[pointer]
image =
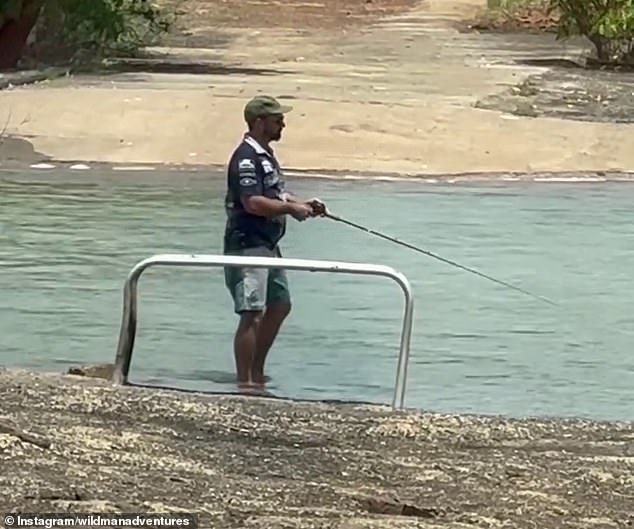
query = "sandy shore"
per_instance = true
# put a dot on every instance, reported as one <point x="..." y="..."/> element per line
<point x="74" y="444"/>
<point x="395" y="97"/>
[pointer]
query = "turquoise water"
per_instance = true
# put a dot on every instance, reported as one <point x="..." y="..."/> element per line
<point x="70" y="239"/>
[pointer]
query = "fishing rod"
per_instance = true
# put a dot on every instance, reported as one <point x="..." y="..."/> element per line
<point x="336" y="218"/>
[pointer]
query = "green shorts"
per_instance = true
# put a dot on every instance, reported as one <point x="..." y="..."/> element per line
<point x="252" y="289"/>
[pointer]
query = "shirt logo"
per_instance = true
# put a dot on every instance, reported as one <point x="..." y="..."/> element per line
<point x="246" y="172"/>
<point x="267" y="166"/>
<point x="247" y="181"/>
<point x="246" y="164"/>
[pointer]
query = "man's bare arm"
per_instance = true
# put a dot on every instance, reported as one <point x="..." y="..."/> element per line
<point x="316" y="205"/>
<point x="265" y="207"/>
<point x="289" y="197"/>
<point x="268" y="207"/>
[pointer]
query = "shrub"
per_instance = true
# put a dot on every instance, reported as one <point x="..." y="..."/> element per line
<point x="91" y="28"/>
<point x="608" y="24"/>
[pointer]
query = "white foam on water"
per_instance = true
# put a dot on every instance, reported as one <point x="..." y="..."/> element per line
<point x="79" y="167"/>
<point x="570" y="179"/>
<point x="42" y="166"/>
<point x="467" y="178"/>
<point x="134" y="168"/>
<point x="361" y="177"/>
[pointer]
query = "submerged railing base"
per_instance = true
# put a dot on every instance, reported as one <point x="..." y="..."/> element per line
<point x="129" y="319"/>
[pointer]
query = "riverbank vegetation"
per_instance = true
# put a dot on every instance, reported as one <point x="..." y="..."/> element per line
<point x="608" y="24"/>
<point x="76" y="30"/>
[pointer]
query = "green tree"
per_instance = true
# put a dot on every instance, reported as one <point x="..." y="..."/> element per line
<point x="101" y="27"/>
<point x="608" y="24"/>
<point x="80" y="28"/>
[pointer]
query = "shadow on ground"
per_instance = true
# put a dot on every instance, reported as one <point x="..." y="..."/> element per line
<point x="18" y="150"/>
<point x="181" y="66"/>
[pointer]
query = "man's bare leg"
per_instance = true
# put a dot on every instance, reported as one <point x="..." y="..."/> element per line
<point x="245" y="346"/>
<point x="267" y="330"/>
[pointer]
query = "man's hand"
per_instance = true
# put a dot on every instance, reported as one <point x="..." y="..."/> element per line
<point x="318" y="208"/>
<point x="300" y="211"/>
<point x="271" y="208"/>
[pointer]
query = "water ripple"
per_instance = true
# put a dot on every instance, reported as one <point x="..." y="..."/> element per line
<point x="68" y="245"/>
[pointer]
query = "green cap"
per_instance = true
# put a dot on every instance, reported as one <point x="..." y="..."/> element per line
<point x="261" y="106"/>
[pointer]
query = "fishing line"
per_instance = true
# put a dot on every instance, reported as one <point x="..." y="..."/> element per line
<point x="438" y="257"/>
<point x="588" y="321"/>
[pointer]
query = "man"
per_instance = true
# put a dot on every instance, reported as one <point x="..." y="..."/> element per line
<point x="257" y="205"/>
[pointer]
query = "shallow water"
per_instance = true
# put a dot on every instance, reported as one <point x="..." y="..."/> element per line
<point x="69" y="240"/>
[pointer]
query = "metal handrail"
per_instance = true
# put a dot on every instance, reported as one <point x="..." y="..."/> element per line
<point x="129" y="320"/>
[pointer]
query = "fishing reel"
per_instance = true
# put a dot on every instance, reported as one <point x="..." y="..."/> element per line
<point x="318" y="207"/>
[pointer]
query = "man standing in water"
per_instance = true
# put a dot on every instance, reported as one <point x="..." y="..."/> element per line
<point x="257" y="204"/>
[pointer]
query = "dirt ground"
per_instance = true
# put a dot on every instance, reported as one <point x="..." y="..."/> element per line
<point x="537" y="18"/>
<point x="310" y="14"/>
<point x="390" y="88"/>
<point x="76" y="445"/>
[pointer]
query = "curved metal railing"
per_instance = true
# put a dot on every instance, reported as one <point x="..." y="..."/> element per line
<point x="130" y="296"/>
